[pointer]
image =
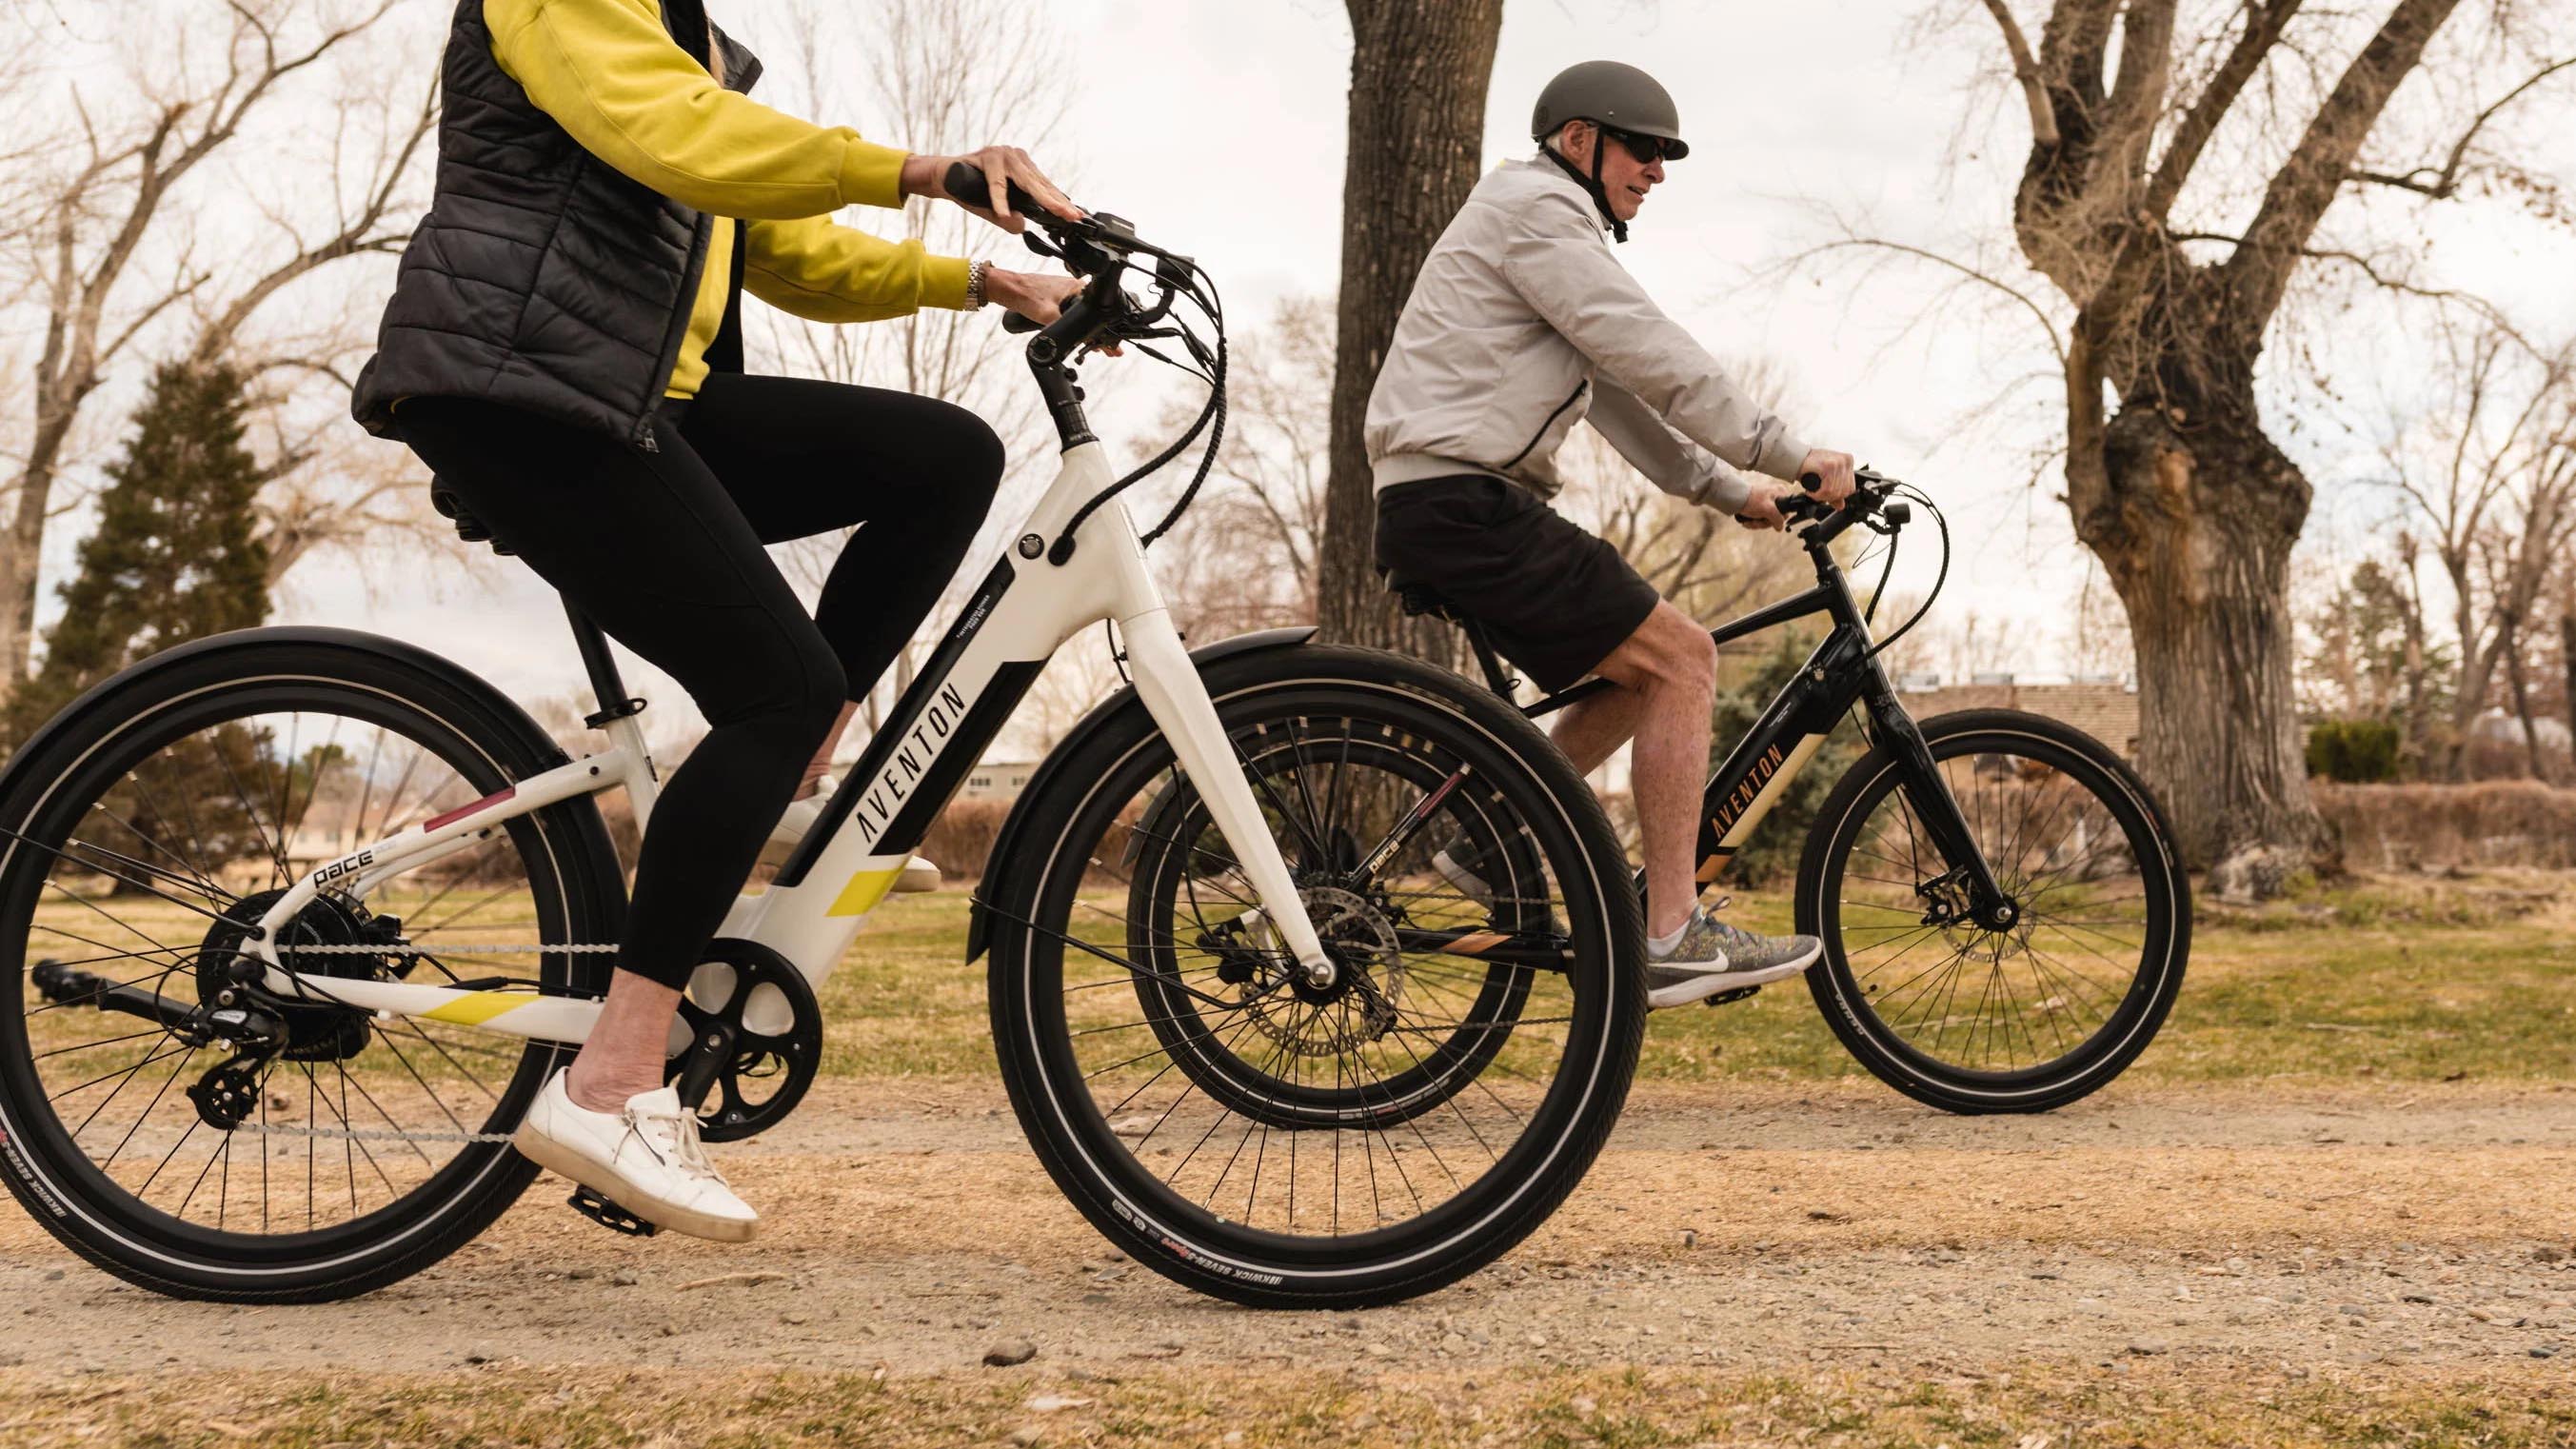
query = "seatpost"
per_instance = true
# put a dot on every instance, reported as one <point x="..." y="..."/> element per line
<point x="614" y="702"/>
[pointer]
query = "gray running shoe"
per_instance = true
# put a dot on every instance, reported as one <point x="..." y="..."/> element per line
<point x="1713" y="956"/>
<point x="1459" y="874"/>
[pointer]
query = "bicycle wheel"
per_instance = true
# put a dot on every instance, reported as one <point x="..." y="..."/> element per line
<point x="2024" y="1019"/>
<point x="156" y="819"/>
<point x="1190" y="913"/>
<point x="1279" y="1144"/>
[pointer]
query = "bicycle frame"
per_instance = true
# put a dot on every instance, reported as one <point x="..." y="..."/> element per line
<point x="1839" y="673"/>
<point x="1028" y="606"/>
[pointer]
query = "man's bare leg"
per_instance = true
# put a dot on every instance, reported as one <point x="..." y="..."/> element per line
<point x="1590" y="731"/>
<point x="1669" y="669"/>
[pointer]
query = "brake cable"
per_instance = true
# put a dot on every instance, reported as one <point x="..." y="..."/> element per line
<point x="1938" y="521"/>
<point x="1211" y="418"/>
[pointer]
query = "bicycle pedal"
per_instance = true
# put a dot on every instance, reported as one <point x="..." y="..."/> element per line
<point x="1723" y="997"/>
<point x="609" y="1215"/>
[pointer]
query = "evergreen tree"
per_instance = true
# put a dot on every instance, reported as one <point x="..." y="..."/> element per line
<point x="173" y="558"/>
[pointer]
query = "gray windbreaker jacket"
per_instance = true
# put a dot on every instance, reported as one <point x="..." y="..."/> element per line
<point x="1521" y="325"/>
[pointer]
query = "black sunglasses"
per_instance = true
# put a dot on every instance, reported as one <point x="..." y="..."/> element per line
<point x="1647" y="149"/>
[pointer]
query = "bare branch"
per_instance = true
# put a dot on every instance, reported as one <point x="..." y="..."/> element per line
<point x="2043" y="121"/>
<point x="2264" y="23"/>
<point x="2446" y="180"/>
<point x="2306" y="184"/>
<point x="2048" y="326"/>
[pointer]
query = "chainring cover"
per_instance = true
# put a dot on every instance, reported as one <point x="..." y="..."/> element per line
<point x="767" y="1032"/>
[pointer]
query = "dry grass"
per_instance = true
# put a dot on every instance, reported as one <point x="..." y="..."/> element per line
<point x="2027" y="1406"/>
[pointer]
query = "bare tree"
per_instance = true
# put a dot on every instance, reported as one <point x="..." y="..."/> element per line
<point x="1244" y="557"/>
<point x="941" y="75"/>
<point x="100" y="232"/>
<point x="2491" y="474"/>
<point x="2096" y="639"/>
<point x="2138" y="113"/>
<point x="1419" y="69"/>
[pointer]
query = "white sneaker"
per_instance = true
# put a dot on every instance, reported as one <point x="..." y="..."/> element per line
<point x="646" y="1159"/>
<point x="798" y="820"/>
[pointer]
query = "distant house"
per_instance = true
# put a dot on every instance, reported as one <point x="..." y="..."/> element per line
<point x="2105" y="708"/>
<point x="2504" y="729"/>
<point x="997" y="779"/>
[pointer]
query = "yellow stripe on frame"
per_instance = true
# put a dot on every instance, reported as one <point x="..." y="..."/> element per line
<point x="863" y="892"/>
<point x="480" y="1007"/>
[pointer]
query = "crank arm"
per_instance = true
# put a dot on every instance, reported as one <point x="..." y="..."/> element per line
<point x="1528" y="949"/>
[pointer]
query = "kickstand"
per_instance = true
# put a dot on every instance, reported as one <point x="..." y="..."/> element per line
<point x="609" y="1215"/>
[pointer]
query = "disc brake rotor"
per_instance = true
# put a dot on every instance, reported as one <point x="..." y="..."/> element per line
<point x="1361" y="1004"/>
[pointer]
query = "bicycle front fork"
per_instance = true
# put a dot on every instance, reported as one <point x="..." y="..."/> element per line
<point x="1937" y="810"/>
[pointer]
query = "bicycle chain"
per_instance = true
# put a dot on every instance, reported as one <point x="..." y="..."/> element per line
<point x="408" y="948"/>
<point x="372" y="1134"/>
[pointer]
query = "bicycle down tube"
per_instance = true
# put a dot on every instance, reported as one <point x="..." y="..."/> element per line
<point x="1027" y="607"/>
<point x="1840" y="672"/>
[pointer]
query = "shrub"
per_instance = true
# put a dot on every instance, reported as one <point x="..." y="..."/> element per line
<point x="2430" y="827"/>
<point x="2354" y="751"/>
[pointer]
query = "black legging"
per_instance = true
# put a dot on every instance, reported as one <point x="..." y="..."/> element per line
<point x="663" y="551"/>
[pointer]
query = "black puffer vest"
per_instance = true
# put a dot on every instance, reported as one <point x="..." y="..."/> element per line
<point x="542" y="277"/>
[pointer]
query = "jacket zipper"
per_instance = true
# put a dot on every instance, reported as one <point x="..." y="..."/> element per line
<point x="690" y="276"/>
<point x="1551" y="422"/>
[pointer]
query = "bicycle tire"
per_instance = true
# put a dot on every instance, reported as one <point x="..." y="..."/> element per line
<point x="2054" y="752"/>
<point x="576" y="888"/>
<point x="1032" y="902"/>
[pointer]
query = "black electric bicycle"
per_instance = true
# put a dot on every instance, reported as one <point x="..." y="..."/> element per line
<point x="2004" y="918"/>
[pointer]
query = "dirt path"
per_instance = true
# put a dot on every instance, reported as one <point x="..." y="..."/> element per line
<point x="912" y="1230"/>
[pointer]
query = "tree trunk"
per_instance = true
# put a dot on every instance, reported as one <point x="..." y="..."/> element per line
<point x="2517" y="677"/>
<point x="20" y="550"/>
<point x="2419" y="694"/>
<point x="1419" y="69"/>
<point x="2197" y="540"/>
<point x="2567" y="659"/>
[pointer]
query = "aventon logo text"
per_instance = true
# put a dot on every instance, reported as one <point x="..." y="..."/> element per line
<point x="910" y="761"/>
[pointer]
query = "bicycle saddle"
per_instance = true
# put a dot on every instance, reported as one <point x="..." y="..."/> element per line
<point x="1419" y="597"/>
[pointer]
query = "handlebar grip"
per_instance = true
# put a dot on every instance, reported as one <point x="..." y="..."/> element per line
<point x="1811" y="481"/>
<point x="1014" y="322"/>
<point x="966" y="183"/>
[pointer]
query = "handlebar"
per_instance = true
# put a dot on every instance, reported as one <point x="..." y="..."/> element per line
<point x="1870" y="493"/>
<point x="965" y="183"/>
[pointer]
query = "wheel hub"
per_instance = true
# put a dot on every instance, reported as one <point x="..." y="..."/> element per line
<point x="229" y="978"/>
<point x="1357" y="1004"/>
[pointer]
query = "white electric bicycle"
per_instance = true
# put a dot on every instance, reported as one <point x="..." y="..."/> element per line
<point x="286" y="895"/>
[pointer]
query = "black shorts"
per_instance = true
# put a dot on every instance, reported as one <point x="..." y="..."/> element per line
<point x="1553" y="599"/>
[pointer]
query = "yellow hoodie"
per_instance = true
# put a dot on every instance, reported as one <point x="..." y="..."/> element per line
<point x="611" y="76"/>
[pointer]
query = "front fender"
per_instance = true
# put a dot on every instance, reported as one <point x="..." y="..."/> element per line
<point x="1108" y="709"/>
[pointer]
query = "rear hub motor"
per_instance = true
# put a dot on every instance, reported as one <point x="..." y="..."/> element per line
<point x="314" y="1031"/>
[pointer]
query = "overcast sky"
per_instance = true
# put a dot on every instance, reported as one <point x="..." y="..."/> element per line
<point x="1219" y="129"/>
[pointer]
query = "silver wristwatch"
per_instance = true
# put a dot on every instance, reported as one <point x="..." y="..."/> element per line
<point x="975" y="284"/>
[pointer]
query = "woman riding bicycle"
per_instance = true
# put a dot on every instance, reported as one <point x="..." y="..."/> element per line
<point x="563" y="348"/>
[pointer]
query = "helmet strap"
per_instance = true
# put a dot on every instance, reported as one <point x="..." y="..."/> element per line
<point x="1591" y="183"/>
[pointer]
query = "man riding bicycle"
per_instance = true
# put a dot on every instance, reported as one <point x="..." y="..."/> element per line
<point x="1521" y="324"/>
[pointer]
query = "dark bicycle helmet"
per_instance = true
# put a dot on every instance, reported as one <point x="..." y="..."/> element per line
<point x="1614" y="95"/>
